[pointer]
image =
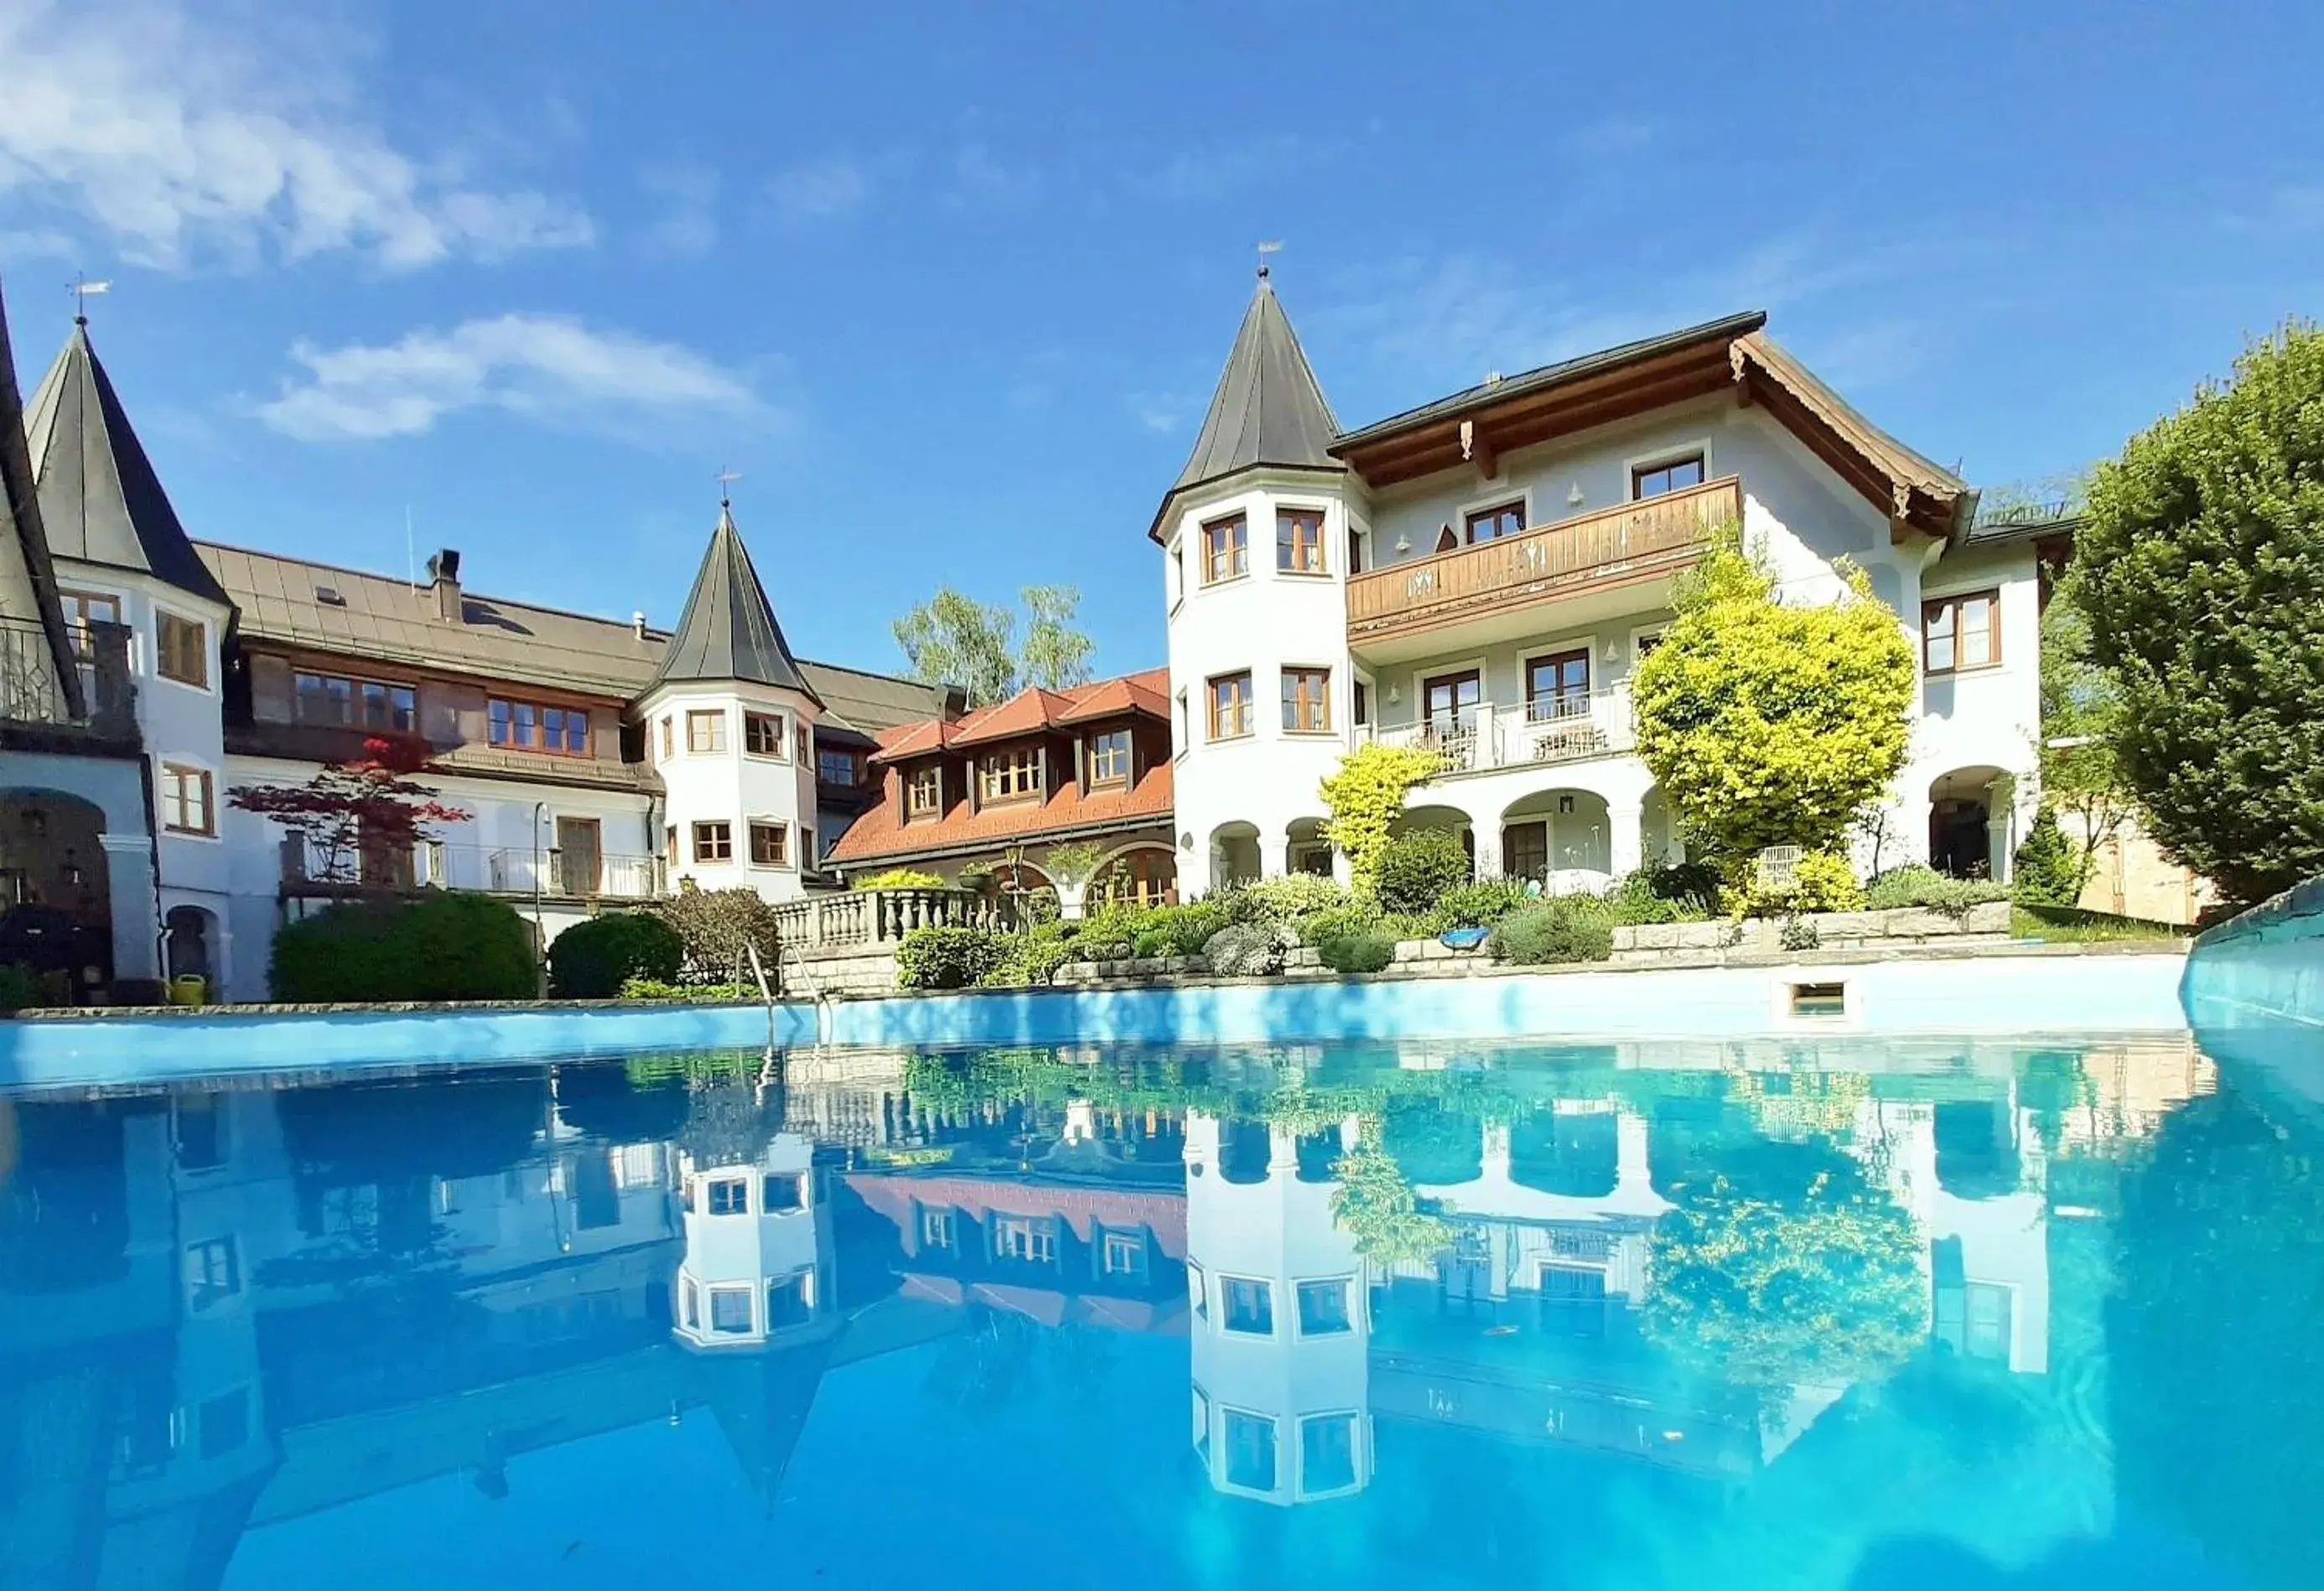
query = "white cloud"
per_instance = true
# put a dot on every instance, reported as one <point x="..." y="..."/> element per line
<point x="821" y="190"/>
<point x="688" y="194"/>
<point x="981" y="180"/>
<point x="550" y="369"/>
<point x="177" y="137"/>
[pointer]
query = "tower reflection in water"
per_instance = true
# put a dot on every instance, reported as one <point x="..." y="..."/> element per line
<point x="225" y="1309"/>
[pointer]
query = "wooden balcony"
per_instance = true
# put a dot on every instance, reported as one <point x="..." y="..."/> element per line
<point x="1616" y="547"/>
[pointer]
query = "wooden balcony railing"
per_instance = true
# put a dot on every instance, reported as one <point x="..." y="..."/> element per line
<point x="1632" y="541"/>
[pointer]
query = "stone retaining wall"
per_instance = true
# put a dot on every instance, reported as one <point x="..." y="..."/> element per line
<point x="1905" y="928"/>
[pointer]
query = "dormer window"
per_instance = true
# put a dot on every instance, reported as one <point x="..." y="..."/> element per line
<point x="1109" y="758"/>
<point x="1009" y="776"/>
<point x="924" y="792"/>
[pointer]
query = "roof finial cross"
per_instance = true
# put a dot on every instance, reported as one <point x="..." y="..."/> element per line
<point x="83" y="289"/>
<point x="1270" y="246"/>
<point x="726" y="478"/>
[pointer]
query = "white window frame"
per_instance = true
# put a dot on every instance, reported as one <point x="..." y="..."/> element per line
<point x="162" y="763"/>
<point x="1360" y="1441"/>
<point x="1347" y="1286"/>
<point x="1274" y="1315"/>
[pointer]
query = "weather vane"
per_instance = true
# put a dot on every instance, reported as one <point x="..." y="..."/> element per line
<point x="1270" y="246"/>
<point x="726" y="478"/>
<point x="83" y="289"/>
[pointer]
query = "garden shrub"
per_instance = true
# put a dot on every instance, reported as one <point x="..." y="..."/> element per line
<point x="1561" y="928"/>
<point x="1416" y="868"/>
<point x="1356" y="916"/>
<point x="948" y="958"/>
<point x="1481" y="904"/>
<point x="899" y="878"/>
<point x="1635" y="900"/>
<point x="2049" y="868"/>
<point x="1365" y="950"/>
<point x="1365" y="796"/>
<point x="1244" y="950"/>
<point x="591" y="960"/>
<point x="20" y="988"/>
<point x="1029" y="959"/>
<point x="1821" y="882"/>
<point x="1916" y="884"/>
<point x="655" y="989"/>
<point x="443" y="945"/>
<point x="1291" y="899"/>
<point x="717" y="926"/>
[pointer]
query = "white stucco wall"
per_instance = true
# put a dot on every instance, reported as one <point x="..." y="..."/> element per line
<point x="1264" y="621"/>
<point x="733" y="787"/>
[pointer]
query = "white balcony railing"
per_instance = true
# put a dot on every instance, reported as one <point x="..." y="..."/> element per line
<point x="1571" y="727"/>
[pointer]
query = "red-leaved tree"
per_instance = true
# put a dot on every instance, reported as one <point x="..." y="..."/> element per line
<point x="369" y="806"/>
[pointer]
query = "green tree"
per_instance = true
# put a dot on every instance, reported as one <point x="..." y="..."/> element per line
<point x="1376" y="1206"/>
<point x="1786" y="1266"/>
<point x="2199" y="571"/>
<point x="1768" y="723"/>
<point x="952" y="639"/>
<point x="2081" y="718"/>
<point x="1364" y="796"/>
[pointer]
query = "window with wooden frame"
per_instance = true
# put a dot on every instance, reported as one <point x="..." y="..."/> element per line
<point x="669" y="844"/>
<point x="186" y="800"/>
<point x="770" y="845"/>
<point x="332" y="699"/>
<point x="1355" y="551"/>
<point x="1226" y="549"/>
<point x="1307" y="700"/>
<point x="714" y="842"/>
<point x="762" y="734"/>
<point x="1230" y="705"/>
<point x="1557" y="686"/>
<point x="1109" y="759"/>
<point x="669" y="738"/>
<point x="1669" y="474"/>
<point x="836" y="765"/>
<point x="1961" y="632"/>
<point x="1299" y="541"/>
<point x="1490" y="524"/>
<point x="1013" y="775"/>
<point x="803" y="742"/>
<point x="705" y="730"/>
<point x="183" y="648"/>
<point x="924" y="792"/>
<point x="532" y="726"/>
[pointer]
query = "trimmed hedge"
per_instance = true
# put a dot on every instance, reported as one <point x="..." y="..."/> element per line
<point x="591" y="960"/>
<point x="442" y="946"/>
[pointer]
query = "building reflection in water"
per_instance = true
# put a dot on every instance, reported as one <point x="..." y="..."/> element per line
<point x="198" y="1291"/>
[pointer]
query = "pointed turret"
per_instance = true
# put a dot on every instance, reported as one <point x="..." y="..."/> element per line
<point x="728" y="631"/>
<point x="100" y="501"/>
<point x="1268" y="411"/>
<point x="28" y="583"/>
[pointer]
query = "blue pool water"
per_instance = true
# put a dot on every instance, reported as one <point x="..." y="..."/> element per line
<point x="1863" y="1315"/>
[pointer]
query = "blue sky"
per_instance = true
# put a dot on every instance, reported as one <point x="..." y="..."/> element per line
<point x="949" y="284"/>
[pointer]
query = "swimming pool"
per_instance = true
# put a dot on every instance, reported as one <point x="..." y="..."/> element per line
<point x="1798" y="1311"/>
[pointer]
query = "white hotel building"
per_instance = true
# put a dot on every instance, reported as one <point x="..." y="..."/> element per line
<point x="1483" y="572"/>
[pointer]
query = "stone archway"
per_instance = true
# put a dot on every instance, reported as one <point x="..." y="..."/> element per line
<point x="1142" y="875"/>
<point x="192" y="944"/>
<point x="1453" y="818"/>
<point x="56" y="898"/>
<point x="1306" y="850"/>
<point x="1562" y="839"/>
<point x="1234" y="854"/>
<point x="1969" y="830"/>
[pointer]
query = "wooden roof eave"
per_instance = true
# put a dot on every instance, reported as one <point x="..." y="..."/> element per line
<point x="1543" y="415"/>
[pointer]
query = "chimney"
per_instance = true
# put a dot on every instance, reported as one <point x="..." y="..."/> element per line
<point x="444" y="580"/>
<point x="638" y="622"/>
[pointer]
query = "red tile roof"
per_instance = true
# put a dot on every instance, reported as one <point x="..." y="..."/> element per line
<point x="1032" y="711"/>
<point x="878" y="833"/>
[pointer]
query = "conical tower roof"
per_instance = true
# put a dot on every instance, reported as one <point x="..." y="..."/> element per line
<point x="100" y="501"/>
<point x="28" y="582"/>
<point x="728" y="631"/>
<point x="1269" y="410"/>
